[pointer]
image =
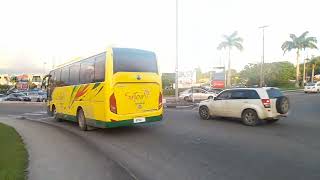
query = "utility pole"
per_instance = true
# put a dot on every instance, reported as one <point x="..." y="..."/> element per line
<point x="44" y="67"/>
<point x="312" y="76"/>
<point x="304" y="69"/>
<point x="177" y="55"/>
<point x="262" y="62"/>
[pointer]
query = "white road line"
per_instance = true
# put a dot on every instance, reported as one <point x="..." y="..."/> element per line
<point x="33" y="114"/>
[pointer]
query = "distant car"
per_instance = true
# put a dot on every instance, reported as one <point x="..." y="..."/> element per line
<point x="17" y="97"/>
<point x="215" y="90"/>
<point x="43" y="96"/>
<point x="250" y="104"/>
<point x="1" y="97"/>
<point x="36" y="96"/>
<point x="196" y="94"/>
<point x="312" y="87"/>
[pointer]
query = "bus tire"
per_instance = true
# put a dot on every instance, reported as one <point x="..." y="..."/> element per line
<point x="55" y="114"/>
<point x="82" y="120"/>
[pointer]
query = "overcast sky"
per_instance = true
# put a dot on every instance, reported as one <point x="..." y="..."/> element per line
<point x="33" y="32"/>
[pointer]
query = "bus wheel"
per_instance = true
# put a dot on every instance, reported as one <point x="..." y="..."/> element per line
<point x="82" y="120"/>
<point x="55" y="114"/>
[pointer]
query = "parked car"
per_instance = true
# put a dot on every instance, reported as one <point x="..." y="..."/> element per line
<point x="17" y="97"/>
<point x="37" y="96"/>
<point x="312" y="87"/>
<point x="43" y="96"/>
<point x="252" y="105"/>
<point x="1" y="97"/>
<point x="196" y="94"/>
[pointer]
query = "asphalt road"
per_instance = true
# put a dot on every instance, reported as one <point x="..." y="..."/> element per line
<point x="185" y="147"/>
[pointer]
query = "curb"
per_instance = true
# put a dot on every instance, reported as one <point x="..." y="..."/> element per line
<point x="20" y="102"/>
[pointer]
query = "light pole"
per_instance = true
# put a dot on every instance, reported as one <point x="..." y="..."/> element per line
<point x="262" y="62"/>
<point x="177" y="56"/>
<point x="44" y="67"/>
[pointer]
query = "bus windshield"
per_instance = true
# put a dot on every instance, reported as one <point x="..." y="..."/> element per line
<point x="134" y="60"/>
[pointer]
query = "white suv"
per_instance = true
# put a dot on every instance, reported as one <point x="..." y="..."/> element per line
<point x="250" y="104"/>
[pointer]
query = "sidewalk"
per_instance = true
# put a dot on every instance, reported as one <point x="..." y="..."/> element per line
<point x="170" y="102"/>
<point x="58" y="154"/>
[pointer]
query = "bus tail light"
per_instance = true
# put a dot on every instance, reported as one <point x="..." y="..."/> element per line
<point x="160" y="101"/>
<point x="113" y="104"/>
<point x="266" y="103"/>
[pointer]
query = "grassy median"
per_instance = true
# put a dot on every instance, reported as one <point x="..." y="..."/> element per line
<point x="13" y="155"/>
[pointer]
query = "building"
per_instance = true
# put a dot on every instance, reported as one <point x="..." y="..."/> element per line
<point x="4" y="79"/>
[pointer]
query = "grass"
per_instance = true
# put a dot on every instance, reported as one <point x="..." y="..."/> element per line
<point x="13" y="155"/>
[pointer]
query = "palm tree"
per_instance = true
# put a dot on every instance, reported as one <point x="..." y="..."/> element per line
<point x="228" y="43"/>
<point x="299" y="43"/>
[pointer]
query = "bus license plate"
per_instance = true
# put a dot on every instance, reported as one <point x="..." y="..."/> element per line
<point x="139" y="120"/>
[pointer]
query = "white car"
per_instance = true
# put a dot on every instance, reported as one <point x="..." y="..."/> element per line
<point x="312" y="87"/>
<point x="196" y="94"/>
<point x="252" y="105"/>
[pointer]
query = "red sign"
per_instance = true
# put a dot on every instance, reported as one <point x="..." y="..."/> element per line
<point x="217" y="84"/>
<point x="22" y="86"/>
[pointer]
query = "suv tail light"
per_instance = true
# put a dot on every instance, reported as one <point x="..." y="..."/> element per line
<point x="113" y="104"/>
<point x="160" y="101"/>
<point x="266" y="103"/>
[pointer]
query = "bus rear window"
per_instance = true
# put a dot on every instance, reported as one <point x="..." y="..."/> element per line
<point x="134" y="60"/>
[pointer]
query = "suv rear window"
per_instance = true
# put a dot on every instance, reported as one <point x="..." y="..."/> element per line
<point x="274" y="93"/>
<point x="245" y="94"/>
<point x="134" y="60"/>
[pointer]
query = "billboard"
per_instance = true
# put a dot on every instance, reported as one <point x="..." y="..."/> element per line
<point x="186" y="79"/>
<point x="218" y="79"/>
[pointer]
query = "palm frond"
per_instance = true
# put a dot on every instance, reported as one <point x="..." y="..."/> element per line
<point x="238" y="39"/>
<point x="311" y="39"/>
<point x="223" y="45"/>
<point x="288" y="46"/>
<point x="303" y="35"/>
<point x="233" y="35"/>
<point x="238" y="46"/>
<point x="293" y="36"/>
<point x="230" y="41"/>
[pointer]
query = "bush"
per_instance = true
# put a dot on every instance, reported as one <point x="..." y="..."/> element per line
<point x="4" y="89"/>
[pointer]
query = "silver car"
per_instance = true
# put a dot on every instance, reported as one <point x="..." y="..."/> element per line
<point x="196" y="94"/>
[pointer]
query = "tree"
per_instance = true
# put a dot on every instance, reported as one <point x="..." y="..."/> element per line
<point x="299" y="43"/>
<point x="277" y="74"/>
<point x="228" y="43"/>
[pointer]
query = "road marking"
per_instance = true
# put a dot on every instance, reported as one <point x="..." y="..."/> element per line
<point x="33" y="114"/>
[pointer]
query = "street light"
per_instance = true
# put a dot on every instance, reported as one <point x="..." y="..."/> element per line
<point x="44" y="67"/>
<point x="177" y="56"/>
<point x="262" y="63"/>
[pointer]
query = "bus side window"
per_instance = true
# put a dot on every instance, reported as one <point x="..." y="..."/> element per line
<point x="99" y="68"/>
<point x="87" y="71"/>
<point x="65" y="76"/>
<point x="74" y="74"/>
<point x="57" y="79"/>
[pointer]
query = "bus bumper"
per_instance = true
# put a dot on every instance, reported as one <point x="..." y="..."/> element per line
<point x="128" y="122"/>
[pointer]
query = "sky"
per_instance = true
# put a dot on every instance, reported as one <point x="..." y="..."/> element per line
<point x="36" y="35"/>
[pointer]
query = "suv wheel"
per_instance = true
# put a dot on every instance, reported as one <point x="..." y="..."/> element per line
<point x="250" y="117"/>
<point x="186" y="98"/>
<point x="210" y="97"/>
<point x="204" y="113"/>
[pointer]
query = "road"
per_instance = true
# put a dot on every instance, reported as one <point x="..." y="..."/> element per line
<point x="185" y="147"/>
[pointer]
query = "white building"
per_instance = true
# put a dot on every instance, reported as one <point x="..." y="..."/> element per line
<point x="4" y="79"/>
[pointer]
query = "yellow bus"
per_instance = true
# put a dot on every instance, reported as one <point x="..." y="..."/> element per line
<point x="119" y="87"/>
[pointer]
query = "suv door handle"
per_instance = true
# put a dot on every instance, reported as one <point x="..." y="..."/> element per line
<point x="246" y="102"/>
